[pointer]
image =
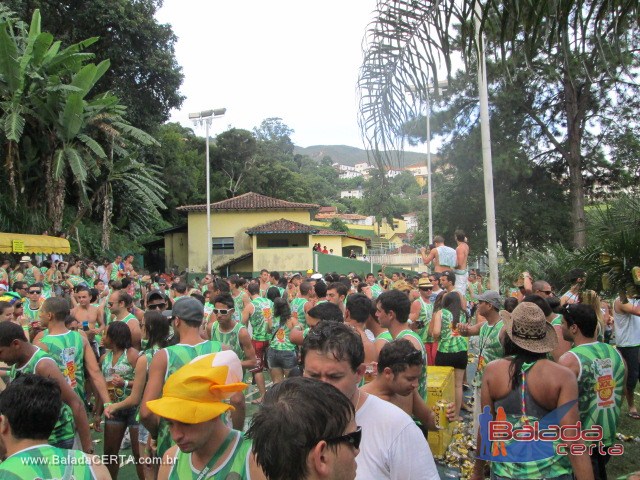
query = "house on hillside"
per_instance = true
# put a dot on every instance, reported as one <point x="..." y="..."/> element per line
<point x="250" y="232"/>
<point x="357" y="193"/>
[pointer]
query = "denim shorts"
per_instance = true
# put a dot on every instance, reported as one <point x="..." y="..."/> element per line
<point x="127" y="416"/>
<point x="284" y="359"/>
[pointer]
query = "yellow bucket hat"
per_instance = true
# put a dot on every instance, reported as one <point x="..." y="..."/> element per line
<point x="195" y="392"/>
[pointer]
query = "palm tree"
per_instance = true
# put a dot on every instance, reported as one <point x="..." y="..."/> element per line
<point x="584" y="50"/>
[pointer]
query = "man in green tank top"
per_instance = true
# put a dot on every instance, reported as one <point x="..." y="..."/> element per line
<point x="489" y="345"/>
<point x="69" y="349"/>
<point x="30" y="406"/>
<point x="302" y="304"/>
<point x="118" y="303"/>
<point x="231" y="333"/>
<point x="187" y="315"/>
<point x="259" y="313"/>
<point x="601" y="375"/>
<point x="193" y="404"/>
<point x="420" y="314"/>
<point x="393" y="308"/>
<point x="24" y="358"/>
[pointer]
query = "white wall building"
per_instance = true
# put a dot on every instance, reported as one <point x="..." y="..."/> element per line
<point x="357" y="193"/>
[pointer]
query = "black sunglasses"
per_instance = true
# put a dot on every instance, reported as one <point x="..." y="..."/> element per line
<point x="153" y="306"/>
<point x="32" y="292"/>
<point x="221" y="311"/>
<point x="352" y="438"/>
<point x="426" y="289"/>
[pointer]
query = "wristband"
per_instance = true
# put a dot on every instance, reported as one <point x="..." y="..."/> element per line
<point x="126" y="384"/>
<point x="107" y="405"/>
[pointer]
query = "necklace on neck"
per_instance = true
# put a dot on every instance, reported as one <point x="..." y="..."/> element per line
<point x="358" y="402"/>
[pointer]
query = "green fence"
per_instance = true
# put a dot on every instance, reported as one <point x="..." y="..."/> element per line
<point x="334" y="263"/>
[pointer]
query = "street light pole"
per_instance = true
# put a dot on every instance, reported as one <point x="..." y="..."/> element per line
<point x="206" y="117"/>
<point x="487" y="165"/>
<point x="412" y="91"/>
<point x="429" y="166"/>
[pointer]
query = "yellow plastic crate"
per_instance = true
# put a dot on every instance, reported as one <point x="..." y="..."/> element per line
<point x="440" y="386"/>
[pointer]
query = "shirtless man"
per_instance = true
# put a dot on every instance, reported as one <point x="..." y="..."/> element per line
<point x="399" y="366"/>
<point x="444" y="258"/>
<point x="462" y="254"/>
<point x="88" y="315"/>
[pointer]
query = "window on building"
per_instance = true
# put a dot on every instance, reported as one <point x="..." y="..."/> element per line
<point x="222" y="245"/>
<point x="277" y="242"/>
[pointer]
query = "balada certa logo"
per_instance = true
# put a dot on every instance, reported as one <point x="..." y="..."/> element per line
<point x="502" y="441"/>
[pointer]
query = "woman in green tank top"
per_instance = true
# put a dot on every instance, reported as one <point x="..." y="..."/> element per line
<point x="118" y="369"/>
<point x="282" y="355"/>
<point x="452" y="347"/>
<point x="155" y="330"/>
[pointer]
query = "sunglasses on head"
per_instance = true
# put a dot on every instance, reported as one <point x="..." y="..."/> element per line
<point x="221" y="311"/>
<point x="352" y="438"/>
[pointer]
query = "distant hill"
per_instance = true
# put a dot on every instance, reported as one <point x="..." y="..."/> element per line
<point x="346" y="155"/>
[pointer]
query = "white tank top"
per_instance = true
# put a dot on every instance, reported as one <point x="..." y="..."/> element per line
<point x="627" y="326"/>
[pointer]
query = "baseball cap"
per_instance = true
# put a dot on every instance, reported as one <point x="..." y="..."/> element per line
<point x="316" y="276"/>
<point x="195" y="393"/>
<point x="25" y="259"/>
<point x="425" y="283"/>
<point x="189" y="309"/>
<point x="492" y="298"/>
<point x="155" y="294"/>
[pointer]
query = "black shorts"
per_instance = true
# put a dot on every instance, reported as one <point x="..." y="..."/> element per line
<point x="631" y="355"/>
<point x="457" y="360"/>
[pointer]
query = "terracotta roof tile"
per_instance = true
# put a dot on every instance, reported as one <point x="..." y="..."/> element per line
<point x="250" y="201"/>
<point x="281" y="226"/>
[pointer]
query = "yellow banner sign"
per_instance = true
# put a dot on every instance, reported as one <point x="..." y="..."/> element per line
<point x="18" y="246"/>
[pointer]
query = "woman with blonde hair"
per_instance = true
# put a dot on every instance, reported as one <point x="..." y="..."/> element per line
<point x="590" y="297"/>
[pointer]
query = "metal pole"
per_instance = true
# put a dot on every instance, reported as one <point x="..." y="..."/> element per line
<point x="429" y="166"/>
<point x="486" y="156"/>
<point x="209" y="252"/>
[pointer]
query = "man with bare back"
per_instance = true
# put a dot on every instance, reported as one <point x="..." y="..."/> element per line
<point x="89" y="316"/>
<point x="462" y="254"/>
<point x="444" y="258"/>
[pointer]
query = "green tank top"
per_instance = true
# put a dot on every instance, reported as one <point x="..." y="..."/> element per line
<point x="122" y="368"/>
<point x="67" y="349"/>
<point x="238" y="305"/>
<point x="76" y="280"/>
<point x="280" y="340"/>
<point x="178" y="356"/>
<point x="29" y="277"/>
<point x="52" y="463"/>
<point x="450" y="340"/>
<point x="46" y="285"/>
<point x="32" y="315"/>
<point x="263" y="310"/>
<point x="234" y="468"/>
<point x="386" y="336"/>
<point x="115" y="268"/>
<point x="600" y="387"/>
<point x="229" y="338"/>
<point x="547" y="468"/>
<point x="376" y="290"/>
<point x="422" y="381"/>
<point x="64" y="428"/>
<point x="489" y="347"/>
<point x="557" y="320"/>
<point x="426" y="312"/>
<point x="297" y="308"/>
<point x="127" y="319"/>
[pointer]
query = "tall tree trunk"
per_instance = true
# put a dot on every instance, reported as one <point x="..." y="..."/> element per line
<point x="11" y="147"/>
<point x="56" y="207"/>
<point x="107" y="211"/>
<point x="574" y="109"/>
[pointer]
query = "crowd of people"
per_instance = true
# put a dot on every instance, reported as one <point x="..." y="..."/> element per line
<point x="170" y="362"/>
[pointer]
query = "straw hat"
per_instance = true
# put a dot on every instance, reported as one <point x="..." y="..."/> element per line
<point x="528" y="328"/>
